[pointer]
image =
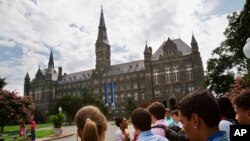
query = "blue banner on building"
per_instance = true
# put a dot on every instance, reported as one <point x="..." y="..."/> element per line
<point x="113" y="91"/>
<point x="106" y="92"/>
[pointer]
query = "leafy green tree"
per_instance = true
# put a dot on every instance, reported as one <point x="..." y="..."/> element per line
<point x="2" y="83"/>
<point x="71" y="104"/>
<point x="130" y="105"/>
<point x="14" y="108"/>
<point x="229" y="55"/>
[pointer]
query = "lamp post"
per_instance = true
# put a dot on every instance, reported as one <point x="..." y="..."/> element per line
<point x="246" y="50"/>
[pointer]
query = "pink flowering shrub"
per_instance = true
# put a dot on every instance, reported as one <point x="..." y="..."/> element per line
<point x="14" y="108"/>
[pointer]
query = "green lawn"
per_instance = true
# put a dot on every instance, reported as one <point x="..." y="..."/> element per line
<point x="14" y="130"/>
<point x="16" y="127"/>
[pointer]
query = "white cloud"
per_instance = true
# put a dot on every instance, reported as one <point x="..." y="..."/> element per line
<point x="70" y="28"/>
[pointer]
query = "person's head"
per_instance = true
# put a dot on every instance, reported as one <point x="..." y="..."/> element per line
<point x="175" y="115"/>
<point x="200" y="114"/>
<point x="157" y="111"/>
<point x="242" y="107"/>
<point x="121" y="122"/>
<point x="226" y="108"/>
<point x="167" y="113"/>
<point x="91" y="124"/>
<point x="141" y="119"/>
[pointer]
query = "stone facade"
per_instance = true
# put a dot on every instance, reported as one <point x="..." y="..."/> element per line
<point x="173" y="71"/>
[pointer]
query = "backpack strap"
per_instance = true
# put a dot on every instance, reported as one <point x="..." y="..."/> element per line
<point x="159" y="126"/>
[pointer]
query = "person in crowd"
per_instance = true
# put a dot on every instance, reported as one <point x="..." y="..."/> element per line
<point x="176" y="118"/>
<point x="122" y="133"/>
<point x="141" y="120"/>
<point x="157" y="112"/>
<point x="91" y="124"/>
<point x="227" y="115"/>
<point x="168" y="118"/>
<point x="33" y="129"/>
<point x="242" y="107"/>
<point x="22" y="130"/>
<point x="200" y="116"/>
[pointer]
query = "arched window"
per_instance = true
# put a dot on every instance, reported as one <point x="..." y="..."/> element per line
<point x="156" y="75"/>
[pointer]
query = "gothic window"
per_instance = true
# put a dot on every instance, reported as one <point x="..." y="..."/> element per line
<point x="135" y="85"/>
<point x="156" y="75"/>
<point x="168" y="74"/>
<point x="136" y="96"/>
<point x="53" y="93"/>
<point x="116" y="98"/>
<point x="122" y="98"/>
<point x="157" y="93"/>
<point x="142" y="96"/>
<point x="176" y="73"/>
<point x="190" y="87"/>
<point x="189" y="72"/>
<point x="129" y="95"/>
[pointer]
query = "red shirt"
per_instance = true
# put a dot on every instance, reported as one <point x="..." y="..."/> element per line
<point x="33" y="124"/>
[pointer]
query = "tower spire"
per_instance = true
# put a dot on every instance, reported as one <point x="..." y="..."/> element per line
<point x="51" y="60"/>
<point x="102" y="33"/>
<point x="193" y="41"/>
<point x="194" y="44"/>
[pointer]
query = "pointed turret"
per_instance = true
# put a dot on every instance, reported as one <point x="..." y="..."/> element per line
<point x="51" y="60"/>
<point x="146" y="49"/>
<point x="39" y="73"/>
<point x="147" y="53"/>
<point x="194" y="44"/>
<point x="102" y="33"/>
<point x="26" y="84"/>
<point x="102" y="47"/>
<point x="27" y="77"/>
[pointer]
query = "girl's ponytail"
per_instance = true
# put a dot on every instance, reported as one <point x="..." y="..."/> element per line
<point x="90" y="132"/>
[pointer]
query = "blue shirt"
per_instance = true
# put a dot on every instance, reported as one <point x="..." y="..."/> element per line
<point x="218" y="136"/>
<point x="149" y="136"/>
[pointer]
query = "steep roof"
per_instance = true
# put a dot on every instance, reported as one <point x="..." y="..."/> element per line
<point x="181" y="46"/>
<point x="133" y="66"/>
<point x="78" y="76"/>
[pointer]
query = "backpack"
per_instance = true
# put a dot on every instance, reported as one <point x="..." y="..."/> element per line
<point x="173" y="133"/>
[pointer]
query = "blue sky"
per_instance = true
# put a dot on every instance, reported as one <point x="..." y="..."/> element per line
<point x="30" y="28"/>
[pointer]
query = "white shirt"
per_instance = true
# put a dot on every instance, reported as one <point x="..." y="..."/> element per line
<point x="119" y="136"/>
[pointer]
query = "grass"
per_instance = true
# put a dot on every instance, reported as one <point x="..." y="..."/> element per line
<point x="14" y="130"/>
<point x="16" y="127"/>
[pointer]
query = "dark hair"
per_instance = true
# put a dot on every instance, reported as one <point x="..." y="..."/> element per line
<point x="203" y="104"/>
<point x="118" y="120"/>
<point x="242" y="101"/>
<point x="90" y="123"/>
<point x="141" y="119"/>
<point x="175" y="112"/>
<point x="226" y="107"/>
<point x="157" y="109"/>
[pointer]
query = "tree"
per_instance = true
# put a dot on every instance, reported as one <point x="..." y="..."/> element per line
<point x="14" y="108"/>
<point x="130" y="105"/>
<point x="71" y="104"/>
<point x="2" y="83"/>
<point x="229" y="55"/>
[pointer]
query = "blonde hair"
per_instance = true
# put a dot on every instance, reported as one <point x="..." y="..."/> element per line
<point x="91" y="123"/>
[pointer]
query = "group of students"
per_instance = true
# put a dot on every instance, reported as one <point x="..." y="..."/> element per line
<point x="23" y="133"/>
<point x="200" y="117"/>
